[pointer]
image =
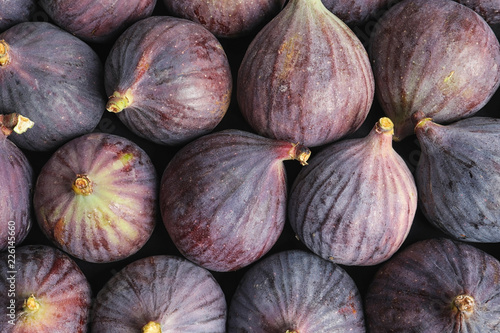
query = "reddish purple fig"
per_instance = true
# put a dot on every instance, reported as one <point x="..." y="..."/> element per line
<point x="13" y="12"/>
<point x="54" y="79"/>
<point x="160" y="294"/>
<point x="356" y="12"/>
<point x="168" y="79"/>
<point x="43" y="291"/>
<point x="437" y="57"/>
<point x="355" y="202"/>
<point x="97" y="21"/>
<point x="223" y="197"/>
<point x="488" y="9"/>
<point x="16" y="179"/>
<point x="435" y="285"/>
<point x="96" y="197"/>
<point x="305" y="77"/>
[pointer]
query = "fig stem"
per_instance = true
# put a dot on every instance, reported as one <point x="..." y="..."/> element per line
<point x="31" y="304"/>
<point x="300" y="153"/>
<point x="385" y="125"/>
<point x="14" y="122"/>
<point x="117" y="102"/>
<point x="82" y="185"/>
<point x="4" y="53"/>
<point x="464" y="304"/>
<point x="152" y="327"/>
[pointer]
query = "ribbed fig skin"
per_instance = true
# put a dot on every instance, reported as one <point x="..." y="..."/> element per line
<point x="488" y="9"/>
<point x="13" y="12"/>
<point x="305" y="77"/>
<point x="226" y="18"/>
<point x="357" y="12"/>
<point x="168" y="290"/>
<point x="223" y="198"/>
<point x="416" y="290"/>
<point x="54" y="79"/>
<point x="458" y="177"/>
<point x="437" y="57"/>
<point x="175" y="76"/>
<point x="117" y="218"/>
<point x="57" y="284"/>
<point x="355" y="202"/>
<point x="296" y="291"/>
<point x="97" y="21"/>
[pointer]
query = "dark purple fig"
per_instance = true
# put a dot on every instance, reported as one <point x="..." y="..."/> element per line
<point x="488" y="9"/>
<point x="13" y="12"/>
<point x="97" y="21"/>
<point x="296" y="291"/>
<point x="16" y="179"/>
<point x="356" y="12"/>
<point x="54" y="79"/>
<point x="435" y="285"/>
<point x="43" y="291"/>
<point x="305" y="77"/>
<point x="96" y="197"/>
<point x="223" y="197"/>
<point x="160" y="294"/>
<point x="355" y="202"/>
<point x="169" y="80"/>
<point x="458" y="177"/>
<point x="437" y="57"/>
<point x="226" y="18"/>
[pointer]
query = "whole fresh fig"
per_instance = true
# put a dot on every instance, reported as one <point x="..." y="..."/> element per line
<point x="169" y="80"/>
<point x="226" y="18"/>
<point x="458" y="177"/>
<point x="296" y="291"/>
<point x="16" y="179"/>
<point x="223" y="197"/>
<point x="356" y="12"/>
<point x="43" y="291"/>
<point x="437" y="57"/>
<point x="355" y="202"/>
<point x="13" y="12"/>
<point x="96" y="197"/>
<point x="488" y="9"/>
<point x="435" y="285"/>
<point x="160" y="294"/>
<point x="54" y="79"/>
<point x="97" y="21"/>
<point x="305" y="77"/>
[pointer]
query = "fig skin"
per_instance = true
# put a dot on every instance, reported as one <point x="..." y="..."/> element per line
<point x="305" y="77"/>
<point x="13" y="12"/>
<point x="355" y="202"/>
<point x="295" y="291"/>
<point x="227" y="18"/>
<point x="96" y="197"/>
<point x="488" y="9"/>
<point x="437" y="57"/>
<point x="97" y="21"/>
<point x="458" y="177"/>
<point x="168" y="79"/>
<point x="223" y="197"/>
<point x="54" y="79"/>
<point x="166" y="290"/>
<point x="356" y="12"/>
<point x="51" y="293"/>
<point x="16" y="177"/>
<point x="435" y="285"/>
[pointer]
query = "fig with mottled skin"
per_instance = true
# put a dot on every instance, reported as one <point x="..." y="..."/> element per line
<point x="357" y="12"/>
<point x="488" y="9"/>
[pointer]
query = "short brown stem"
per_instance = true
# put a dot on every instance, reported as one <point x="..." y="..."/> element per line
<point x="4" y="53"/>
<point x="300" y="153"/>
<point x="82" y="185"/>
<point x="14" y="122"/>
<point x="465" y="304"/>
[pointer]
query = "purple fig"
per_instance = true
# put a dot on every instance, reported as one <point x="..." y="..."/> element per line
<point x="305" y="77"/>
<point x="54" y="79"/>
<point x="16" y="177"/>
<point x="437" y="57"/>
<point x="435" y="285"/>
<point x="223" y="197"/>
<point x="355" y="202"/>
<point x="96" y="197"/>
<point x="169" y="80"/>
<point x="97" y="21"/>
<point x="356" y="12"/>
<point x="160" y="294"/>
<point x="488" y="9"/>
<point x="13" y="12"/>
<point x="296" y="291"/>
<point x="44" y="291"/>
<point x="458" y="177"/>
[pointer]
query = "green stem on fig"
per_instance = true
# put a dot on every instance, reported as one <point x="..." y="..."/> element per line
<point x="300" y="153"/>
<point x="152" y="327"/>
<point x="117" y="102"/>
<point x="14" y="122"/>
<point x="4" y="53"/>
<point x="82" y="185"/>
<point x="465" y="304"/>
<point x="385" y="125"/>
<point x="31" y="305"/>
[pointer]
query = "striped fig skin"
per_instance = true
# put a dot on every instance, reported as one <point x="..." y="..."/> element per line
<point x="166" y="290"/>
<point x="54" y="79"/>
<point x="97" y="21"/>
<point x="356" y="12"/>
<point x="58" y="286"/>
<point x="458" y="177"/>
<point x="169" y="80"/>
<point x="355" y="202"/>
<point x="223" y="197"/>
<point x="13" y="12"/>
<point x="305" y="77"/>
<point x="437" y="57"/>
<point x="423" y="288"/>
<point x="296" y="291"/>
<point x="117" y="217"/>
